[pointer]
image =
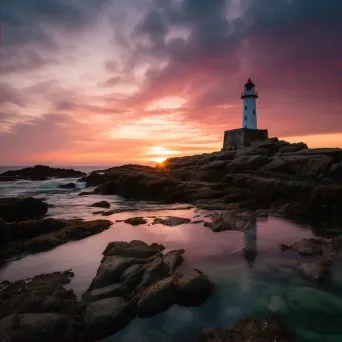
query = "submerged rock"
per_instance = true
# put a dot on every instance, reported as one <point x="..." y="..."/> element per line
<point x="172" y="260"/>
<point x="249" y="330"/>
<point x="171" y="221"/>
<point x="102" y="204"/>
<point x="135" y="221"/>
<point x="67" y="186"/>
<point x="318" y="270"/>
<point x="15" y="209"/>
<point x="229" y="221"/>
<point x="308" y="247"/>
<point x="106" y="316"/>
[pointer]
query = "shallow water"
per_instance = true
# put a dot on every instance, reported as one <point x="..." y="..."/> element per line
<point x="253" y="277"/>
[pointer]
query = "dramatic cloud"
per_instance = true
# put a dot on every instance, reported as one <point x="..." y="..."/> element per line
<point x="111" y="81"/>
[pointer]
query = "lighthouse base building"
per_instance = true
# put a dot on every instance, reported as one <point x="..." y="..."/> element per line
<point x="242" y="137"/>
<point x="249" y="133"/>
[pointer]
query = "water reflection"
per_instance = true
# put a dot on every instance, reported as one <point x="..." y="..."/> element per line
<point x="250" y="242"/>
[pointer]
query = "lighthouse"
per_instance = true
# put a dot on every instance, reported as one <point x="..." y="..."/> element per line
<point x="249" y="113"/>
<point x="249" y="133"/>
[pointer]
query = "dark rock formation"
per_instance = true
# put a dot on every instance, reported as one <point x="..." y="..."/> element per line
<point x="287" y="179"/>
<point x="41" y="172"/>
<point x="135" y="221"/>
<point x="21" y="238"/>
<point x="248" y="330"/>
<point x="135" y="278"/>
<point x="102" y="204"/>
<point x="67" y="186"/>
<point x="85" y="193"/>
<point x="39" y="309"/>
<point x="106" y="316"/>
<point x="171" y="221"/>
<point x="15" y="209"/>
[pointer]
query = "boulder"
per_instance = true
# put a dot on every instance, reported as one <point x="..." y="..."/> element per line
<point x="172" y="260"/>
<point x="133" y="249"/>
<point x="335" y="171"/>
<point x="229" y="221"/>
<point x="319" y="270"/>
<point x="290" y="148"/>
<point x="67" y="186"/>
<point x="16" y="209"/>
<point x="171" y="221"/>
<point x="85" y="193"/>
<point x="102" y="204"/>
<point x="106" y="316"/>
<point x="37" y="327"/>
<point x="192" y="288"/>
<point x="41" y="172"/>
<point x="248" y="330"/>
<point x="156" y="298"/>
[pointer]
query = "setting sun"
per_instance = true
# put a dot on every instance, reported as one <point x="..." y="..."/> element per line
<point x="160" y="160"/>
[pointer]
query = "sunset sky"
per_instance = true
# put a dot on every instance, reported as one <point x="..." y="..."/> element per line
<point x="106" y="82"/>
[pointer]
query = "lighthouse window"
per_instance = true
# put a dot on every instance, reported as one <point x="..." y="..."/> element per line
<point x="246" y="117"/>
<point x="245" y="107"/>
<point x="253" y="111"/>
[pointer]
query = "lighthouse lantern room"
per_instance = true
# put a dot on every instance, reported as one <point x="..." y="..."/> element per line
<point x="249" y="96"/>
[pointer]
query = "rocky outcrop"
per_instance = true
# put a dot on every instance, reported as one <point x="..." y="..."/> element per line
<point x="22" y="238"/>
<point x="101" y="204"/>
<point x="135" y="278"/>
<point x="135" y="221"/>
<point x="39" y="309"/>
<point x="106" y="316"/>
<point x="171" y="221"/>
<point x="286" y="179"/>
<point x="249" y="329"/>
<point x="67" y="186"/>
<point x="15" y="209"/>
<point x="41" y="172"/>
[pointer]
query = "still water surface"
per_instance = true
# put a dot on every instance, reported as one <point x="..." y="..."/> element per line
<point x="253" y="277"/>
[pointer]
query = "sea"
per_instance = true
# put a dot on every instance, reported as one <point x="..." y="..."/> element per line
<point x="253" y="277"/>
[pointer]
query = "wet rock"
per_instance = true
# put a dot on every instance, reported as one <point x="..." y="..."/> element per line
<point x="41" y="172"/>
<point x="14" y="209"/>
<point x="197" y="222"/>
<point x="102" y="204"/>
<point x="37" y="327"/>
<point x="248" y="330"/>
<point x="171" y="221"/>
<point x="42" y="294"/>
<point x="133" y="249"/>
<point x="319" y="270"/>
<point x="156" y="298"/>
<point x="192" y="288"/>
<point x="85" y="193"/>
<point x="135" y="221"/>
<point x="111" y="269"/>
<point x="229" y="221"/>
<point x="106" y="316"/>
<point x="67" y="186"/>
<point x="172" y="260"/>
<point x="308" y="247"/>
<point x="336" y="245"/>
<point x="41" y="235"/>
<point x="98" y="212"/>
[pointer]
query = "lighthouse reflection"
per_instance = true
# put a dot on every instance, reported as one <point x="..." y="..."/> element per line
<point x="250" y="242"/>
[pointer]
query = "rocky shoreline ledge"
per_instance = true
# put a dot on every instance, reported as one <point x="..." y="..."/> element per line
<point x="271" y="177"/>
<point x="134" y="279"/>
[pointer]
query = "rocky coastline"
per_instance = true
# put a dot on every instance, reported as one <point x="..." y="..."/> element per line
<point x="272" y="177"/>
<point x="135" y="279"/>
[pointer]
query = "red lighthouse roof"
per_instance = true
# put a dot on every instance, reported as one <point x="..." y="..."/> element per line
<point x="249" y="84"/>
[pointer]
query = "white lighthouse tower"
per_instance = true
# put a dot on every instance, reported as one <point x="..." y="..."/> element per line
<point x="249" y="96"/>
